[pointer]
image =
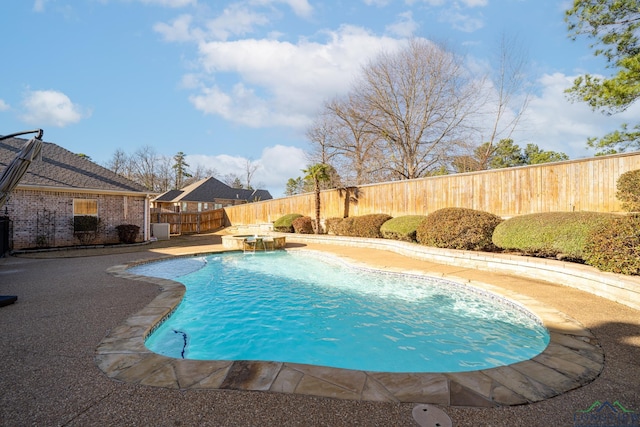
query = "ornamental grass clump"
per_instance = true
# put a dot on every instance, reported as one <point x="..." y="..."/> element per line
<point x="550" y="234"/>
<point x="403" y="228"/>
<point x="284" y="224"/>
<point x="458" y="228"/>
<point x="615" y="246"/>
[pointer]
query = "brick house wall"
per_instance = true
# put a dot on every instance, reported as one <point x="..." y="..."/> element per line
<point x="44" y="218"/>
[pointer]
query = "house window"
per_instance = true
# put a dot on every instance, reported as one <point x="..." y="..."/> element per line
<point x="85" y="207"/>
<point x="85" y="219"/>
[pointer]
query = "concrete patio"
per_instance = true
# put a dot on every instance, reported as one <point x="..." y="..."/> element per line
<point x="68" y="303"/>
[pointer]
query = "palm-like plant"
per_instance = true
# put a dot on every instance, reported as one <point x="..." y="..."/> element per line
<point x="317" y="173"/>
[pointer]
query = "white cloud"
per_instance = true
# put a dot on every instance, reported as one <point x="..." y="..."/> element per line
<point x="376" y="2"/>
<point x="272" y="172"/>
<point x="38" y="5"/>
<point x="284" y="83"/>
<point x="179" y="30"/>
<point x="4" y="106"/>
<point x="243" y="106"/>
<point x="462" y="21"/>
<point x="235" y="20"/>
<point x="405" y="26"/>
<point x="475" y="3"/>
<point x="554" y="123"/>
<point x="50" y="107"/>
<point x="301" y="8"/>
<point x="170" y="3"/>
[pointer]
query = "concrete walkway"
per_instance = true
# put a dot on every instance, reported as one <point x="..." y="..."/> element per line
<point x="68" y="303"/>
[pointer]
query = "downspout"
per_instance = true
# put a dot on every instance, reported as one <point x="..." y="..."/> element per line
<point x="147" y="225"/>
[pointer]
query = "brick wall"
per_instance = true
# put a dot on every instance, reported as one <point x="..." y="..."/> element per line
<point x="45" y="218"/>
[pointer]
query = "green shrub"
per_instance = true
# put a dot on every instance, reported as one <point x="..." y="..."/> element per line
<point x="458" y="228"/>
<point x="346" y="227"/>
<point x="127" y="233"/>
<point x="615" y="246"/>
<point x="85" y="223"/>
<point x="332" y="225"/>
<point x="362" y="226"/>
<point x="549" y="233"/>
<point x="285" y="224"/>
<point x="402" y="228"/>
<point x="303" y="225"/>
<point x="628" y="193"/>
<point x="86" y="228"/>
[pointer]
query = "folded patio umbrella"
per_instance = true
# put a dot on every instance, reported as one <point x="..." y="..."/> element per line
<point x="19" y="165"/>
<point x="12" y="175"/>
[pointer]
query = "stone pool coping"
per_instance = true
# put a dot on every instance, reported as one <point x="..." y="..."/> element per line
<point x="572" y="359"/>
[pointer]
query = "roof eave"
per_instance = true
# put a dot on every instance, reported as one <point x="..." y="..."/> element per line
<point x="85" y="190"/>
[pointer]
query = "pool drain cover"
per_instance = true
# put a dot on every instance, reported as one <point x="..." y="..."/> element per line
<point x="431" y="416"/>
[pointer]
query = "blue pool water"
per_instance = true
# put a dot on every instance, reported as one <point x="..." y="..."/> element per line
<point x="302" y="308"/>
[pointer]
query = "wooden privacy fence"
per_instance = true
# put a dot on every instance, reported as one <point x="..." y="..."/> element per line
<point x="190" y="222"/>
<point x="575" y="185"/>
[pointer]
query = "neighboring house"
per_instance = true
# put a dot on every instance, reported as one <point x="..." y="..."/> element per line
<point x="60" y="186"/>
<point x="206" y="195"/>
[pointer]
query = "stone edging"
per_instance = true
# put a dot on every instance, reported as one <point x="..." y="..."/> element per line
<point x="615" y="287"/>
<point x="572" y="359"/>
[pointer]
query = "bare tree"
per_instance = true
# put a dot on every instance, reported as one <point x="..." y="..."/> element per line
<point x="419" y="101"/>
<point x="232" y="180"/>
<point x="165" y="174"/>
<point x="145" y="167"/>
<point x="509" y="100"/>
<point x="200" y="172"/>
<point x="250" y="168"/>
<point x="356" y="140"/>
<point x="121" y="163"/>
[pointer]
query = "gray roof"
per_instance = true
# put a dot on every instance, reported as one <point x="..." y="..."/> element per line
<point x="62" y="168"/>
<point x="209" y="189"/>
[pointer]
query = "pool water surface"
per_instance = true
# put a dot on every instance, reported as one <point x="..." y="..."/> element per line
<point x="301" y="308"/>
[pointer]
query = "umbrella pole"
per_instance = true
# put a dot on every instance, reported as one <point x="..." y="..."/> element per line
<point x="10" y="299"/>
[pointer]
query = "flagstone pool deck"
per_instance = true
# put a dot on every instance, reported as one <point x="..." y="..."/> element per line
<point x="72" y="351"/>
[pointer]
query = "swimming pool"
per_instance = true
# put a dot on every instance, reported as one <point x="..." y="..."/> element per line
<point x="301" y="308"/>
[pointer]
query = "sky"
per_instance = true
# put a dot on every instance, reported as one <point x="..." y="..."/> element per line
<point x="228" y="82"/>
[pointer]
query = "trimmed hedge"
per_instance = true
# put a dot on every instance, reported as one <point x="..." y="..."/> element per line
<point x="303" y="225"/>
<point x="402" y="228"/>
<point x="127" y="233"/>
<point x="628" y="190"/>
<point x="362" y="226"/>
<point x="615" y="246"/>
<point x="458" y="228"/>
<point x="285" y="224"/>
<point x="332" y="225"/>
<point x="549" y="234"/>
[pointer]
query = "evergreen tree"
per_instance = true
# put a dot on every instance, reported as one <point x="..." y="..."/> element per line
<point x="614" y="26"/>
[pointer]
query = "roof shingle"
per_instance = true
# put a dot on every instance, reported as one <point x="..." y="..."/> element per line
<point x="59" y="167"/>
<point x="209" y="189"/>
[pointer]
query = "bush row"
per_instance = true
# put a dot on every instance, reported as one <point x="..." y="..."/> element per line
<point x="608" y="242"/>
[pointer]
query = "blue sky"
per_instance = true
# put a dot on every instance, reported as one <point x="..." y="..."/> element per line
<point x="227" y="81"/>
